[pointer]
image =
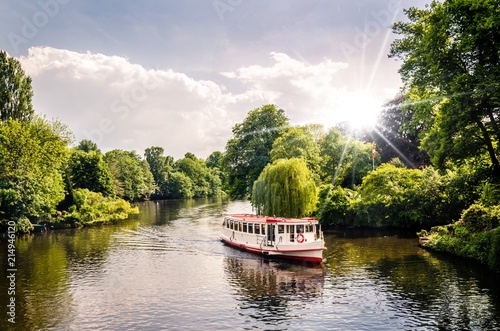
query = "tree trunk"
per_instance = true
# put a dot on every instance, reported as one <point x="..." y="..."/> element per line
<point x="491" y="150"/>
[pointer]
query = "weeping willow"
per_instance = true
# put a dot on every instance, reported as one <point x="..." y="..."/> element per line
<point x="285" y="188"/>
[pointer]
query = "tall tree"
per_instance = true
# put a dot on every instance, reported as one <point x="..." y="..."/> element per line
<point x="15" y="90"/>
<point x="161" y="166"/>
<point x="450" y="52"/>
<point x="285" y="188"/>
<point x="247" y="153"/>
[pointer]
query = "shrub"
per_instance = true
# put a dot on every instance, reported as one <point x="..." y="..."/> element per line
<point x="478" y="218"/>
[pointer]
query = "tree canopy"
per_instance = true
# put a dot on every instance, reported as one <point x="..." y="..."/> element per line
<point x="450" y="52"/>
<point x="32" y="154"/>
<point x="15" y="90"/>
<point x="285" y="188"/>
<point x="248" y="152"/>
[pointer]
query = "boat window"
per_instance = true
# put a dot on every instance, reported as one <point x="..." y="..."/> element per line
<point x="257" y="229"/>
<point x="263" y="229"/>
<point x="300" y="228"/>
<point x="239" y="226"/>
<point x="231" y="224"/>
<point x="245" y="228"/>
<point x="309" y="228"/>
<point x="281" y="228"/>
<point x="250" y="227"/>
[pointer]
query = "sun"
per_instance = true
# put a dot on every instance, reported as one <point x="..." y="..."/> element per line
<point x="360" y="110"/>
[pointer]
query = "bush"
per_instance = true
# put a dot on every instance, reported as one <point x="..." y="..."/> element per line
<point x="91" y="207"/>
<point x="478" y="218"/>
<point x="333" y="205"/>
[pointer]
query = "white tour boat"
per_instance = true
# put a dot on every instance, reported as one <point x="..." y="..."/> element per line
<point x="291" y="238"/>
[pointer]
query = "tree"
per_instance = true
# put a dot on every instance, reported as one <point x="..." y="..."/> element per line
<point x="214" y="160"/>
<point x="450" y="54"/>
<point x="285" y="188"/>
<point x="87" y="146"/>
<point x="344" y="160"/>
<point x="297" y="142"/>
<point x="160" y="166"/>
<point x="132" y="178"/>
<point x="89" y="170"/>
<point x="32" y="154"/>
<point x="397" y="134"/>
<point x="15" y="90"/>
<point x="205" y="181"/>
<point x="247" y="153"/>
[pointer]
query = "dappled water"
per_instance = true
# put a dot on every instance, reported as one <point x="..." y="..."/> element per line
<point x="167" y="270"/>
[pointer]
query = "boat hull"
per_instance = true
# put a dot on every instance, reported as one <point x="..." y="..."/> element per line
<point x="306" y="253"/>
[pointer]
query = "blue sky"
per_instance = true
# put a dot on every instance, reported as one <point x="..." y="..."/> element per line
<point x="180" y="74"/>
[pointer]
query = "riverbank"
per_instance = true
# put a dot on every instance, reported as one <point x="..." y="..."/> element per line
<point x="455" y="239"/>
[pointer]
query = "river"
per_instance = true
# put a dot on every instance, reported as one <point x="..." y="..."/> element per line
<point x="165" y="269"/>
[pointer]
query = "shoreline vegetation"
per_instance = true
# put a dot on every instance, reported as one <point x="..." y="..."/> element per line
<point x="430" y="163"/>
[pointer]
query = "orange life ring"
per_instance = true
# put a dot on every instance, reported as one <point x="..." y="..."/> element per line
<point x="300" y="238"/>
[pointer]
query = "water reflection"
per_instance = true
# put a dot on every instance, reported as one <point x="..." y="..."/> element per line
<point x="270" y="291"/>
<point x="167" y="269"/>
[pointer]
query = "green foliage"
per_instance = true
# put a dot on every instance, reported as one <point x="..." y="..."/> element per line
<point x="87" y="146"/>
<point x="160" y="166"/>
<point x="399" y="197"/>
<point x="248" y="152"/>
<point x="15" y="90"/>
<point x="478" y="218"/>
<point x="344" y="160"/>
<point x="32" y="155"/>
<point x="285" y="188"/>
<point x="132" y="178"/>
<point x="178" y="186"/>
<point x="333" y="205"/>
<point x="297" y="142"/>
<point x="91" y="207"/>
<point x="450" y="70"/>
<point x="398" y="133"/>
<point x="88" y="169"/>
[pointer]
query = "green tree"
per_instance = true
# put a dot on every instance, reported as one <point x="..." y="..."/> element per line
<point x="160" y="166"/>
<point x="205" y="181"/>
<point x="178" y="186"/>
<point x="89" y="170"/>
<point x="344" y="160"/>
<point x="132" y="178"/>
<point x="285" y="188"/>
<point x="398" y="134"/>
<point x="333" y="205"/>
<point x="297" y="142"/>
<point x="15" y="90"/>
<point x="32" y="154"/>
<point x="247" y="153"/>
<point x="450" y="53"/>
<point x="87" y="146"/>
<point x="214" y="160"/>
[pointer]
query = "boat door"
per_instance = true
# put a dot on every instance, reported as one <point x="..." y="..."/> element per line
<point x="271" y="236"/>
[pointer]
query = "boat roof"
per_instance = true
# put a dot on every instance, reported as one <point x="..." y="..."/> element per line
<point x="269" y="219"/>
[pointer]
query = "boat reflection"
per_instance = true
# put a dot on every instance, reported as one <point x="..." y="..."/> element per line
<point x="270" y="291"/>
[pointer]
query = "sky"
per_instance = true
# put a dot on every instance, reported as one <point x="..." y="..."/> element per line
<point x="180" y="74"/>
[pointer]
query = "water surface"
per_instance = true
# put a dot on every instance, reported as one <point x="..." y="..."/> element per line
<point x="166" y="270"/>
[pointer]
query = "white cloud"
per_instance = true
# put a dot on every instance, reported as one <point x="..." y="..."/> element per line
<point x="123" y="105"/>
